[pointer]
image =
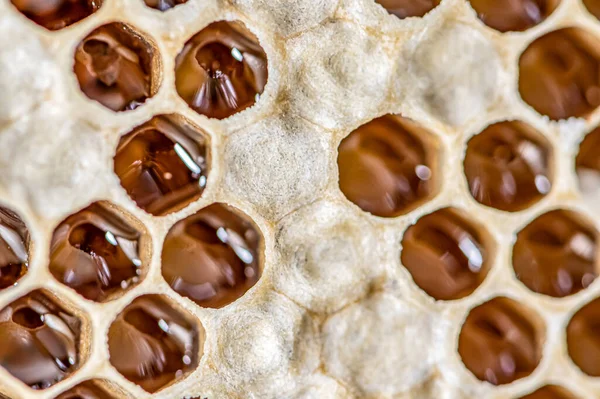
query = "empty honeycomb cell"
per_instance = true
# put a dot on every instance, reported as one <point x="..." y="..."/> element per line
<point x="550" y="392"/>
<point x="587" y="163"/>
<point x="559" y="74"/>
<point x="387" y="166"/>
<point x="90" y="389"/>
<point x="221" y="70"/>
<point x="57" y="14"/>
<point x="408" y="8"/>
<point x="163" y="5"/>
<point x="555" y="254"/>
<point x="153" y="343"/>
<point x="116" y="66"/>
<point x="501" y="341"/>
<point x="583" y="338"/>
<point x="40" y="340"/>
<point x="163" y="164"/>
<point x="513" y="15"/>
<point x="446" y="254"/>
<point x="593" y="7"/>
<point x="14" y="248"/>
<point x="213" y="256"/>
<point x="97" y="253"/>
<point x="508" y="166"/>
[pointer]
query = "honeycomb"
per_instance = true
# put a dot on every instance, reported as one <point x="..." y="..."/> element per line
<point x="302" y="199"/>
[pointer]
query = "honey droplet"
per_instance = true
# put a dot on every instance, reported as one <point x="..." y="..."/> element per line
<point x="90" y="389"/>
<point x="408" y="8"/>
<point x="40" y="340"/>
<point x="96" y="253"/>
<point x="385" y="168"/>
<point x="162" y="164"/>
<point x="507" y="166"/>
<point x="114" y="66"/>
<point x="583" y="338"/>
<point x="212" y="256"/>
<point x="510" y="15"/>
<point x="501" y="341"/>
<point x="152" y="344"/>
<point x="57" y="14"/>
<point x="550" y="392"/>
<point x="221" y="70"/>
<point x="558" y="71"/>
<point x="14" y="248"/>
<point x="588" y="163"/>
<point x="164" y="5"/>
<point x="445" y="255"/>
<point x="556" y="254"/>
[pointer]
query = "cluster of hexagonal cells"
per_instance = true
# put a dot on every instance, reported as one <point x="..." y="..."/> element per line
<point x="211" y="257"/>
<point x="387" y="167"/>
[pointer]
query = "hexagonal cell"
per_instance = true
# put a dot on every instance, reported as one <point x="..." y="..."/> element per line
<point x="550" y="392"/>
<point x="555" y="254"/>
<point x="221" y="70"/>
<point x="55" y="15"/>
<point x="40" y="340"/>
<point x="279" y="172"/>
<point x="388" y="166"/>
<point x="501" y="341"/>
<point x="213" y="256"/>
<point x="583" y="338"/>
<point x="508" y="166"/>
<point x="163" y="164"/>
<point x="382" y="347"/>
<point x="14" y="248"/>
<point x="312" y="256"/>
<point x="117" y="66"/>
<point x="91" y="389"/>
<point x="154" y="343"/>
<point x="446" y="254"/>
<point x="510" y="15"/>
<point x="264" y="348"/>
<point x="593" y="6"/>
<point x="96" y="252"/>
<point x="445" y="90"/>
<point x="587" y="163"/>
<point x="408" y="8"/>
<point x="163" y="5"/>
<point x="559" y="74"/>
